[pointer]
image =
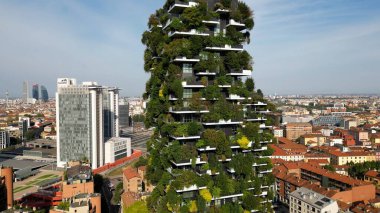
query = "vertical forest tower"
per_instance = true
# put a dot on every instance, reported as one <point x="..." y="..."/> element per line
<point x="209" y="149"/>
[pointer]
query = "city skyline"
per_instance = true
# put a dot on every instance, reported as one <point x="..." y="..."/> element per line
<point x="337" y="39"/>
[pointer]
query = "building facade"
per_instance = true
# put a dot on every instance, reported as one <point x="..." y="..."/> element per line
<point x="36" y="91"/>
<point x="295" y="130"/>
<point x="86" y="116"/>
<point x="24" y="125"/>
<point x="25" y="92"/>
<point x="117" y="148"/>
<point x="306" y="200"/>
<point x="124" y="115"/>
<point x="4" y="139"/>
<point x="44" y="96"/>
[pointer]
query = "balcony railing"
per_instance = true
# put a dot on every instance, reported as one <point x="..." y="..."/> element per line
<point x="192" y="83"/>
<point x="212" y="21"/>
<point x="185" y="59"/>
<point x="238" y="25"/>
<point x="188" y="110"/>
<point x="192" y="32"/>
<point x="226" y="47"/>
<point x="240" y="73"/>
<point x="180" y="5"/>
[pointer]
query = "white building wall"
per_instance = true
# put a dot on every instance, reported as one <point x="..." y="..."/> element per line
<point x="115" y="145"/>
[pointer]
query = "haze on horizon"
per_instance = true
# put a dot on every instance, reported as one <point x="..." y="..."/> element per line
<point x="299" y="47"/>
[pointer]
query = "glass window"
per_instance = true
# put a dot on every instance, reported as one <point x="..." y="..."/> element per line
<point x="187" y="93"/>
<point x="187" y="68"/>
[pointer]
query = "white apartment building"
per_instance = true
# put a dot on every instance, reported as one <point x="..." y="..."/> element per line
<point x="117" y="148"/>
<point x="87" y="115"/>
<point x="304" y="200"/>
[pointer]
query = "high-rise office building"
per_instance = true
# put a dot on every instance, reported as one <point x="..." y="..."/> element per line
<point x="36" y="91"/>
<point x="44" y="96"/>
<point x="25" y="92"/>
<point x="209" y="150"/>
<point x="4" y="139"/>
<point x="123" y="114"/>
<point x="87" y="115"/>
<point x="24" y="125"/>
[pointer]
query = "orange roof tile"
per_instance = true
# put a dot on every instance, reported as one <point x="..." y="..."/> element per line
<point x="130" y="173"/>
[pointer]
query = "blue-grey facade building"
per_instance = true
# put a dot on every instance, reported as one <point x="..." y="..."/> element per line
<point x="86" y="116"/>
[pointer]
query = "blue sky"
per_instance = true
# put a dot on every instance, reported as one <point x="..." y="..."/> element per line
<point x="299" y="47"/>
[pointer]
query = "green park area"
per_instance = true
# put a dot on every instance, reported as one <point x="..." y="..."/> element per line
<point x="138" y="207"/>
<point x="35" y="182"/>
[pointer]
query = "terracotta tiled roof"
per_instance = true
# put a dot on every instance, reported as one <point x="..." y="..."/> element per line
<point x="298" y="125"/>
<point x="130" y="173"/>
<point x="142" y="168"/>
<point x="372" y="173"/>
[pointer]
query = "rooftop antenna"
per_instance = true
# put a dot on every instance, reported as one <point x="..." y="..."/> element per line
<point x="6" y="98"/>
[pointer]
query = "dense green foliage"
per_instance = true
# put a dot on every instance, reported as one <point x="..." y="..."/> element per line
<point x="358" y="170"/>
<point x="188" y="148"/>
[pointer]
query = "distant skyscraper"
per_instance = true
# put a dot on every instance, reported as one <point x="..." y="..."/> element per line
<point x="87" y="115"/>
<point x="25" y="92"/>
<point x="36" y="91"/>
<point x="124" y="115"/>
<point x="44" y="94"/>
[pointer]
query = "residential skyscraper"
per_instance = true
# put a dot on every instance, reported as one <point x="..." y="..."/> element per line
<point x="209" y="149"/>
<point x="36" y="91"/>
<point x="44" y="96"/>
<point x="86" y="116"/>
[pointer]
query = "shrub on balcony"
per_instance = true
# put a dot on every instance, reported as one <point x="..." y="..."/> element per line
<point x="209" y="62"/>
<point x="211" y="92"/>
<point x="193" y="206"/>
<point x="250" y="84"/>
<point x="206" y="195"/>
<point x="184" y="179"/>
<point x="153" y="21"/>
<point x="268" y="152"/>
<point x="192" y="17"/>
<point x="201" y="143"/>
<point x="175" y="87"/>
<point x="223" y="80"/>
<point x="251" y="130"/>
<point x="250" y="202"/>
<point x="193" y="128"/>
<point x="238" y="61"/>
<point x="226" y="185"/>
<point x="219" y="41"/>
<point x="243" y="142"/>
<point x="176" y="25"/>
<point x="236" y="36"/>
<point x="180" y="130"/>
<point x="242" y="165"/>
<point x="226" y="3"/>
<point x="182" y="153"/>
<point x="178" y="47"/>
<point x="213" y="137"/>
<point x="239" y="90"/>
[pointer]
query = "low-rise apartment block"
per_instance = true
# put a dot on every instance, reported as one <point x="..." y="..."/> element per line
<point x="306" y="200"/>
<point x="295" y="130"/>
